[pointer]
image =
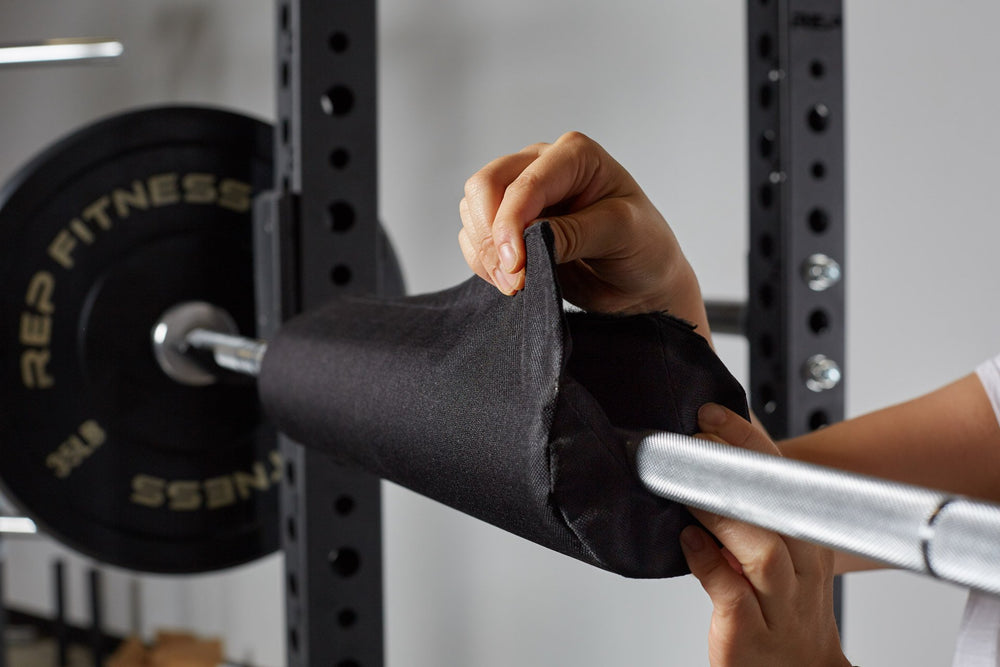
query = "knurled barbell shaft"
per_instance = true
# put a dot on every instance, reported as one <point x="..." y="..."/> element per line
<point x="931" y="532"/>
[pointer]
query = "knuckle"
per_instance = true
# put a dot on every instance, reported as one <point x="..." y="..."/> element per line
<point x="477" y="250"/>
<point x="484" y="249"/>
<point x="465" y="242"/>
<point x="526" y="182"/>
<point x="476" y="184"/>
<point x="465" y="246"/>
<point x="581" y="149"/>
<point x="575" y="139"/>
<point x="535" y="148"/>
<point x="623" y="212"/>
<point x="733" y="600"/>
<point x="571" y="232"/>
<point x="765" y="565"/>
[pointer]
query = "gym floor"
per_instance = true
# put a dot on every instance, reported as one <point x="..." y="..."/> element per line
<point x="24" y="648"/>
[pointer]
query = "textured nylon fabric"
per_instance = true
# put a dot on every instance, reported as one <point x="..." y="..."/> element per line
<point x="504" y="408"/>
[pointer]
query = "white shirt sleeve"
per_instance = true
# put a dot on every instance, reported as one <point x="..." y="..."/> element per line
<point x="989" y="375"/>
<point x="979" y="637"/>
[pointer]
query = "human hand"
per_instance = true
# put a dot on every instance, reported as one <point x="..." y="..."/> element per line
<point x="615" y="250"/>
<point x="772" y="596"/>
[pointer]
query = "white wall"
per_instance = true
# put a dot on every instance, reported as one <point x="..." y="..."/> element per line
<point x="661" y="84"/>
<point x="216" y="52"/>
<point x="922" y="204"/>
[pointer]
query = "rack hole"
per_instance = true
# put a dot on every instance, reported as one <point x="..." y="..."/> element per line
<point x="819" y="221"/>
<point x="285" y="131"/>
<point x="766" y="244"/>
<point x="341" y="216"/>
<point x="338" y="42"/>
<point x="347" y="618"/>
<point x="766" y="195"/>
<point x="339" y="157"/>
<point x="765" y="295"/>
<point x="348" y="663"/>
<point x="285" y="19"/>
<point x="819" y="321"/>
<point x="765" y="45"/>
<point x="340" y="274"/>
<point x="818" y="170"/>
<point x="345" y="561"/>
<point x="766" y="143"/>
<point x="344" y="505"/>
<point x="766" y="345"/>
<point x="337" y="101"/>
<point x="765" y="95"/>
<point x="293" y="639"/>
<point x="818" y="419"/>
<point x="819" y="118"/>
<point x="293" y="585"/>
<point x="817" y="69"/>
<point x="286" y="75"/>
<point x="290" y="528"/>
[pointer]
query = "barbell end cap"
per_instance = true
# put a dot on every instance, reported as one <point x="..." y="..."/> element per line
<point x="171" y="345"/>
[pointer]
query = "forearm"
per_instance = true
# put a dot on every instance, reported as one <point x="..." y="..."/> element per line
<point x="948" y="440"/>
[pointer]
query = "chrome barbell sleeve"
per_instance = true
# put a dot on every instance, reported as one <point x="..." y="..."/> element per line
<point x="236" y="353"/>
<point x="200" y="326"/>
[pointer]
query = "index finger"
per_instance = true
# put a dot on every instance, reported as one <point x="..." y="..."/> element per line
<point x="484" y="192"/>
<point x="764" y="555"/>
<point x="569" y="171"/>
<point x="746" y="542"/>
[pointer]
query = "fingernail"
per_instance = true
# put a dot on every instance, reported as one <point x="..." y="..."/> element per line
<point x="712" y="414"/>
<point x="508" y="258"/>
<point x="502" y="281"/>
<point x="693" y="538"/>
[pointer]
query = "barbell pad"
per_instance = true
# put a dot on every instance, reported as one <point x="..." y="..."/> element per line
<point x="505" y="408"/>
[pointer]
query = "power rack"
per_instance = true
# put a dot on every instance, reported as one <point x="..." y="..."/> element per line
<point x="317" y="235"/>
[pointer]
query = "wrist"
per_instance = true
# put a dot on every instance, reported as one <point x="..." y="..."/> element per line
<point x="682" y="298"/>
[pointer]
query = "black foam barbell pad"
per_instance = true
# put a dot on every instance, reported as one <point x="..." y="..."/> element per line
<point x="505" y="408"/>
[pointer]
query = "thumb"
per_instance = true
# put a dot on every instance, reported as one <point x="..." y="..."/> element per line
<point x="599" y="231"/>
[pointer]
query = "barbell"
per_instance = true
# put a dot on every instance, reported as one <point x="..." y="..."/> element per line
<point x="930" y="532"/>
<point x="126" y="260"/>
